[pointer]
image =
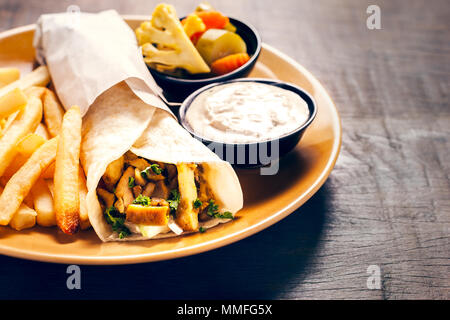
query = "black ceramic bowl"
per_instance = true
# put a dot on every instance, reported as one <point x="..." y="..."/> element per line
<point x="176" y="89"/>
<point x="250" y="155"/>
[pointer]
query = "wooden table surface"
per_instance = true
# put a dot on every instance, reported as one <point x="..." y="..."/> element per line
<point x="387" y="202"/>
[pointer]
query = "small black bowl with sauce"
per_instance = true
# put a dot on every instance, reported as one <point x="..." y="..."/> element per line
<point x="176" y="88"/>
<point x="259" y="153"/>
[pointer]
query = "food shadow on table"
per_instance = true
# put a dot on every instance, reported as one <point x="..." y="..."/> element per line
<point x="263" y="266"/>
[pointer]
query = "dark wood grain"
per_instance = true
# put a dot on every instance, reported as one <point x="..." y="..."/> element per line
<point x="387" y="202"/>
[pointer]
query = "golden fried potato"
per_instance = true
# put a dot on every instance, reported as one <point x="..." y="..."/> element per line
<point x="43" y="204"/>
<point x="25" y="148"/>
<point x="25" y="122"/>
<point x="13" y="101"/>
<point x="53" y="113"/>
<point x="37" y="92"/>
<point x="38" y="77"/>
<point x="22" y="181"/>
<point x="29" y="144"/>
<point x="24" y="218"/>
<point x="42" y="131"/>
<point x="51" y="186"/>
<point x="49" y="173"/>
<point x="16" y="164"/>
<point x="29" y="201"/>
<point x="5" y="123"/>
<point x="66" y="191"/>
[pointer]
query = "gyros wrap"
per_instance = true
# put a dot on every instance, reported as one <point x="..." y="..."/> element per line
<point x="126" y="122"/>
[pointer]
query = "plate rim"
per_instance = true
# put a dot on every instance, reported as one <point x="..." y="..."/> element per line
<point x="212" y="244"/>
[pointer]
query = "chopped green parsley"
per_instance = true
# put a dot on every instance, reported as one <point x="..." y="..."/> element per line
<point x="174" y="200"/>
<point x="197" y="204"/>
<point x="142" y="200"/>
<point x="213" y="211"/>
<point x="117" y="222"/>
<point x="155" y="168"/>
<point x="131" y="183"/>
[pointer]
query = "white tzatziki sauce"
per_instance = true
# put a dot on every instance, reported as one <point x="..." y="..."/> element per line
<point x="246" y="112"/>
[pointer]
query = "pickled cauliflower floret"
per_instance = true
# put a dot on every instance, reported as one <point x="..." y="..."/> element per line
<point x="165" y="44"/>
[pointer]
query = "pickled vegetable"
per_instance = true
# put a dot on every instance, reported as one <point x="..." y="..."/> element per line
<point x="230" y="27"/>
<point x="193" y="24"/>
<point x="215" y="44"/>
<point x="229" y="63"/>
<point x="166" y="45"/>
<point x="213" y="19"/>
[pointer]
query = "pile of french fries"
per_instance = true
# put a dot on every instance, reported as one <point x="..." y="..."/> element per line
<point x="41" y="180"/>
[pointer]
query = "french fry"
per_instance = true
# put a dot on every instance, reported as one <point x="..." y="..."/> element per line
<point x="8" y="75"/>
<point x="24" y="218"/>
<point x="29" y="201"/>
<point x="22" y="181"/>
<point x="66" y="190"/>
<point x="37" y="92"/>
<point x="25" y="148"/>
<point x="5" y="123"/>
<point x="53" y="113"/>
<point x="29" y="144"/>
<point x="51" y="186"/>
<point x="13" y="101"/>
<point x="84" y="218"/>
<point x="16" y="164"/>
<point x="2" y="126"/>
<point x="3" y="181"/>
<point x="43" y="204"/>
<point x="42" y="131"/>
<point x="25" y="122"/>
<point x="49" y="173"/>
<point x="38" y="77"/>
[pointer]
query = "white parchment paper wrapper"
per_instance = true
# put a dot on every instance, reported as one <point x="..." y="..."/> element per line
<point x="88" y="53"/>
<point x="95" y="63"/>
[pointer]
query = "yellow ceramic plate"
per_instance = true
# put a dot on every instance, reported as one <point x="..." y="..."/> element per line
<point x="267" y="199"/>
